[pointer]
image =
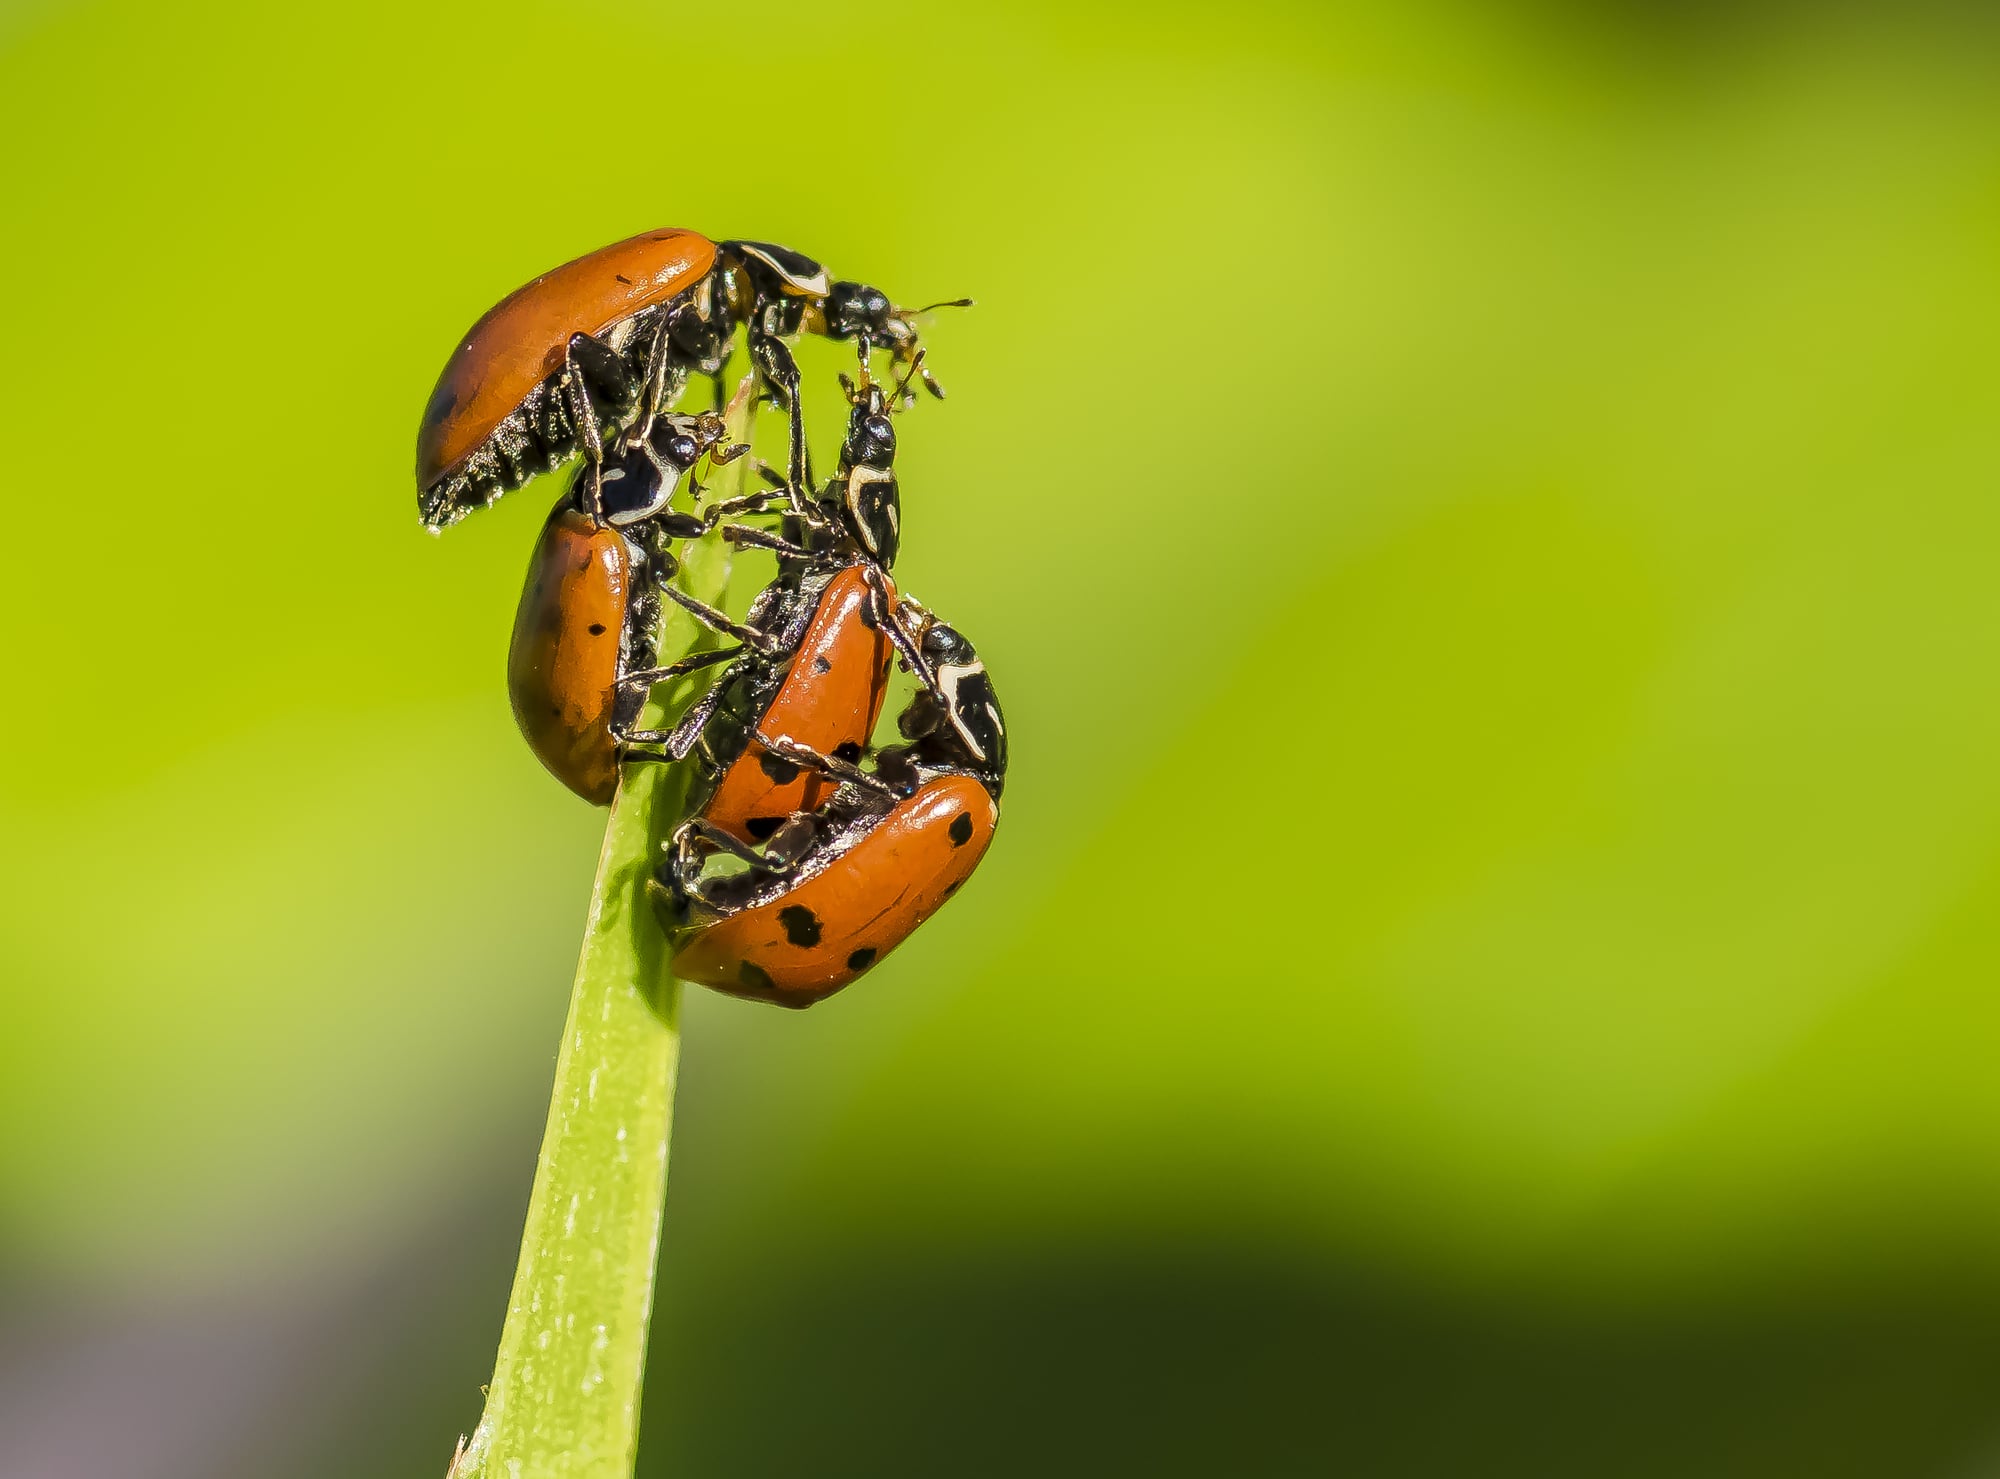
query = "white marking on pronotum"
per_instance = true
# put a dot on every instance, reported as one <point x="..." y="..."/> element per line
<point x="949" y="677"/>
<point x="815" y="286"/>
<point x="859" y="481"/>
<point x="663" y="494"/>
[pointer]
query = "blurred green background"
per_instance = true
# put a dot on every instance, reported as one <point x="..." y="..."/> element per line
<point x="1484" y="520"/>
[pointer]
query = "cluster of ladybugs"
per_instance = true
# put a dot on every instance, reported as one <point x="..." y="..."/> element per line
<point x="809" y="852"/>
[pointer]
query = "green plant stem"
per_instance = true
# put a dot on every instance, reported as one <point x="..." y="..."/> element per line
<point x="564" y="1400"/>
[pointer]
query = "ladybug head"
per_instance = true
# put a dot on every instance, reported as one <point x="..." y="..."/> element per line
<point x="854" y="310"/>
<point x="680" y="441"/>
<point x="961" y="715"/>
<point x="871" y="435"/>
<point x="639" y="480"/>
<point x="863" y="497"/>
<point x="943" y="646"/>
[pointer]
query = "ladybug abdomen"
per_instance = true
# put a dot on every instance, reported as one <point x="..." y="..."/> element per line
<point x="562" y="664"/>
<point x="829" y="700"/>
<point x="838" y="921"/>
<point x="520" y="341"/>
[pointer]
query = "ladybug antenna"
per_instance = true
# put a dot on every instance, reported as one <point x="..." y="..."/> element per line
<point x="916" y="368"/>
<point x="948" y="303"/>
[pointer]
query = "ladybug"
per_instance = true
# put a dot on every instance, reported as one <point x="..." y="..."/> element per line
<point x="863" y="499"/>
<point x="836" y="889"/>
<point x="822" y="676"/>
<point x="814" y="654"/>
<point x="820" y="670"/>
<point x="583" y="634"/>
<point x="780" y="293"/>
<point x="607" y="342"/>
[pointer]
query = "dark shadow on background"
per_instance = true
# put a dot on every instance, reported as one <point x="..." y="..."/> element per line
<point x="1207" y="1362"/>
<point x="1152" y="1360"/>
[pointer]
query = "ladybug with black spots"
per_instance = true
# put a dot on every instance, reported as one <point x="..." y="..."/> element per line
<point x="579" y="664"/>
<point x="813" y="656"/>
<point x="606" y="343"/>
<point x="816" y="648"/>
<point x="835" y="890"/>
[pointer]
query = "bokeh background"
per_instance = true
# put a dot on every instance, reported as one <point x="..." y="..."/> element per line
<point x="1484" y="518"/>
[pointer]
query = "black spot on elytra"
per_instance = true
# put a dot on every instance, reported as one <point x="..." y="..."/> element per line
<point x="597" y="629"/>
<point x="847" y="750"/>
<point x="755" y="976"/>
<point x="623" y="278"/>
<point x="960" y="830"/>
<point x="954" y="888"/>
<point x="821" y="665"/>
<point x="780" y="770"/>
<point x="861" y="959"/>
<point x="801" y="925"/>
<point x="762" y="827"/>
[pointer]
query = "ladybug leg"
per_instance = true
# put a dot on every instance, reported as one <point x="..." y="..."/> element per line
<point x="781" y="372"/>
<point x="915" y="368"/>
<point x="656" y="382"/>
<point x="688" y="850"/>
<point x="890" y="619"/>
<point x="682" y="738"/>
<point x="807" y="758"/>
<point x="719" y="621"/>
<point x="661" y="578"/>
<point x="695" y="841"/>
<point x="923" y="373"/>
<point x="810" y="513"/>
<point x="743" y="536"/>
<point x="633" y="689"/>
<point x="673" y="525"/>
<point x="712" y="517"/>
<point x="593" y="368"/>
<point x="721" y="457"/>
<point x="744" y="503"/>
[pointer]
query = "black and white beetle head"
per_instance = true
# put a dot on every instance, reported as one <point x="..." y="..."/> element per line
<point x="856" y="311"/>
<point x="971" y="709"/>
<point x="638" y="482"/>
<point x="863" y="493"/>
<point x="871" y="435"/>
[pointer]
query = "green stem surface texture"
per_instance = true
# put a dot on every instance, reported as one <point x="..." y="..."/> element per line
<point x="564" y="1399"/>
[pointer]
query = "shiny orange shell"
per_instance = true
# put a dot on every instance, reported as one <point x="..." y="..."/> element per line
<point x="819" y="935"/>
<point x="520" y="341"/>
<point x="562" y="665"/>
<point x="831" y="696"/>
